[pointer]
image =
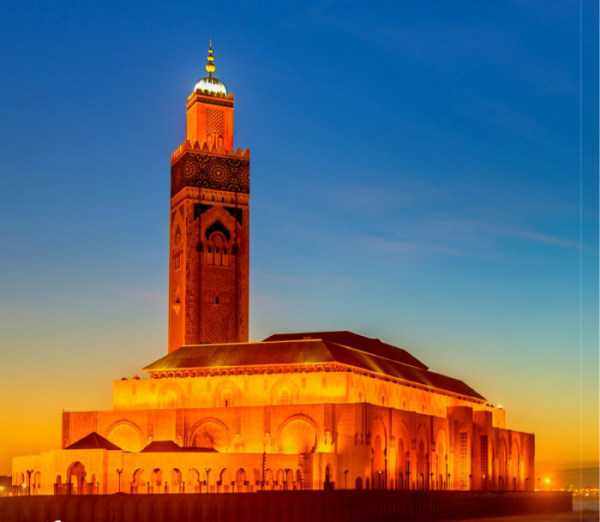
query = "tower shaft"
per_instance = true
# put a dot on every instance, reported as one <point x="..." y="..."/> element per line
<point x="209" y="229"/>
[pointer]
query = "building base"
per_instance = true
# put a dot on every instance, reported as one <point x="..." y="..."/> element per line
<point x="284" y="506"/>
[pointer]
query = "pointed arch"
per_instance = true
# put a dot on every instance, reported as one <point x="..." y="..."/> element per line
<point x="360" y="391"/>
<point x="170" y="396"/>
<point x="217" y="227"/>
<point x="381" y="422"/>
<point x="126" y="434"/>
<point x="294" y="418"/>
<point x="227" y="394"/>
<point x="383" y="395"/>
<point x="210" y="432"/>
<point x="285" y="391"/>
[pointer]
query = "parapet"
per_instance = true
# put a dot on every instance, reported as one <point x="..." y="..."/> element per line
<point x="204" y="147"/>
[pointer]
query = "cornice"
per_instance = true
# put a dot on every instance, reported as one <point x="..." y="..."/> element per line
<point x="302" y="368"/>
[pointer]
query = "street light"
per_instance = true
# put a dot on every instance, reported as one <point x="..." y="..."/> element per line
<point x="29" y="472"/>
<point x="345" y="472"/>
<point x="380" y="472"/>
<point x="119" y="471"/>
<point x="208" y="470"/>
<point x="548" y="481"/>
<point x="539" y="484"/>
<point x="1" y="491"/>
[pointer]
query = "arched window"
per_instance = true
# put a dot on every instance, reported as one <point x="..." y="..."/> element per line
<point x="157" y="477"/>
<point x="176" y="482"/>
<point x="177" y="250"/>
<point x="218" y="249"/>
<point x="240" y="480"/>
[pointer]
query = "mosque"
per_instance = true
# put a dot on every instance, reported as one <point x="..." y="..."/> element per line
<point x="309" y="410"/>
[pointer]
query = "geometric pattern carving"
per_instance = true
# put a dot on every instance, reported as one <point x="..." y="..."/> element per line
<point x="238" y="422"/>
<point x="214" y="121"/>
<point x="484" y="455"/>
<point x="463" y="459"/>
<point x="329" y="418"/>
<point x="267" y="420"/>
<point x="150" y="425"/>
<point x="211" y="172"/>
<point x="179" y="423"/>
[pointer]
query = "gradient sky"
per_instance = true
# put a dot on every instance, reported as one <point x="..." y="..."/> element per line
<point x="415" y="177"/>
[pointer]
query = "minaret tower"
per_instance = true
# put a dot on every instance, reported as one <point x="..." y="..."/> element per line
<point x="209" y="223"/>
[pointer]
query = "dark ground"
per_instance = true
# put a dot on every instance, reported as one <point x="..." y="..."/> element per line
<point x="583" y="511"/>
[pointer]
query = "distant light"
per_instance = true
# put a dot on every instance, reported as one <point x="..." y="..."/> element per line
<point x="500" y="406"/>
<point x="548" y="480"/>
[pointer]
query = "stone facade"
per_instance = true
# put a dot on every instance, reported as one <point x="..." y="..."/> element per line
<point x="209" y="229"/>
<point x="308" y="422"/>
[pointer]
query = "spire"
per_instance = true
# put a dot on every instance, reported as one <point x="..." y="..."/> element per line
<point x="210" y="66"/>
<point x="210" y="84"/>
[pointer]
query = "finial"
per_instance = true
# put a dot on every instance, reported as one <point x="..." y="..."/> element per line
<point x="210" y="66"/>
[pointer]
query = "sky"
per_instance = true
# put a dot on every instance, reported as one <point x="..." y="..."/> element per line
<point x="416" y="174"/>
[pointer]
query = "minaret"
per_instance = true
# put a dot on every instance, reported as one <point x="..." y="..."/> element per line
<point x="209" y="223"/>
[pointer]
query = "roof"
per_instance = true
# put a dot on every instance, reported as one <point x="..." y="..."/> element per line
<point x="358" y="342"/>
<point x="93" y="441"/>
<point x="244" y="354"/>
<point x="344" y="348"/>
<point x="169" y="446"/>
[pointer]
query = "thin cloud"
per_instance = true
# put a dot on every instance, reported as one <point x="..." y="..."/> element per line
<point x="423" y="248"/>
<point x="359" y="198"/>
<point x="478" y="232"/>
<point x="537" y="237"/>
<point x="330" y="280"/>
<point x="467" y="239"/>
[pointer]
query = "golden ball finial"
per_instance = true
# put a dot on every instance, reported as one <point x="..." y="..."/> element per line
<point x="210" y="66"/>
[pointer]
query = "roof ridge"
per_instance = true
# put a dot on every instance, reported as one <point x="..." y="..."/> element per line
<point x="426" y="369"/>
<point x="245" y="344"/>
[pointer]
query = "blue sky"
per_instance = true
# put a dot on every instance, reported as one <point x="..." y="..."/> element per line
<point x="415" y="177"/>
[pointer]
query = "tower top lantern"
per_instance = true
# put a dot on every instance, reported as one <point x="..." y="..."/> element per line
<point x="210" y="84"/>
